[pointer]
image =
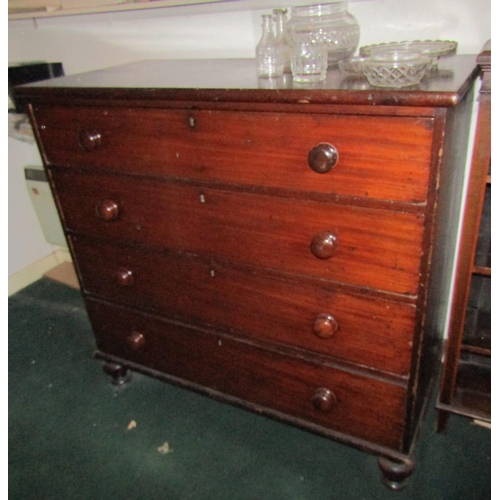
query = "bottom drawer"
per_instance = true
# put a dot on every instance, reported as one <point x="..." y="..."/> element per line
<point x="360" y="406"/>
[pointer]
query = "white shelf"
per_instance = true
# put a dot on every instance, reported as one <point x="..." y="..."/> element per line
<point x="42" y="12"/>
<point x="138" y="5"/>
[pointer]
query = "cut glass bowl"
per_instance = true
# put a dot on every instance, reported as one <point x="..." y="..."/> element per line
<point x="395" y="68"/>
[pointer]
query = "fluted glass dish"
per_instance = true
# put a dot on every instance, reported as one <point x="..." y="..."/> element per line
<point x="429" y="48"/>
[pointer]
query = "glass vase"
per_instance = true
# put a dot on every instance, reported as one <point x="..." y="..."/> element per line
<point x="329" y="24"/>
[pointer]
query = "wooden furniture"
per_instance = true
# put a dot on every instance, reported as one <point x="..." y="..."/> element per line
<point x="466" y="377"/>
<point x="283" y="249"/>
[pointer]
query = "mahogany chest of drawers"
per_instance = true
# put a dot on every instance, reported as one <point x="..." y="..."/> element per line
<point x="288" y="250"/>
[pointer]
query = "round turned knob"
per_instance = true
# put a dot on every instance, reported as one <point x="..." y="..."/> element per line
<point x="324" y="399"/>
<point x="323" y="245"/>
<point x="107" y="210"/>
<point x="325" y="326"/>
<point x="135" y="340"/>
<point x="124" y="277"/>
<point x="323" y="157"/>
<point x="89" y="140"/>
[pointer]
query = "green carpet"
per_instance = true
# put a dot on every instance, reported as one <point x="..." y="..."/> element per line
<point x="69" y="436"/>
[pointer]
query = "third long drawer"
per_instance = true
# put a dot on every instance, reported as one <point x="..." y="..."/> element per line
<point x="303" y="313"/>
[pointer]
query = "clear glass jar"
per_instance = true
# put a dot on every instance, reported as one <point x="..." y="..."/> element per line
<point x="329" y="24"/>
<point x="309" y="62"/>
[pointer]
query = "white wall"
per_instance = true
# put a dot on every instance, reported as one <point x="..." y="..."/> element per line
<point x="93" y="41"/>
<point x="466" y="21"/>
<point x="87" y="42"/>
<point x="26" y="241"/>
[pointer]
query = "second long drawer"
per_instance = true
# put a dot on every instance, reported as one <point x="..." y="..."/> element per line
<point x="372" y="248"/>
<point x="308" y="314"/>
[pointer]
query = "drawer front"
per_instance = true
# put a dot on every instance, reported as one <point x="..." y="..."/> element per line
<point x="364" y="330"/>
<point x="385" y="158"/>
<point x="366" y="408"/>
<point x="366" y="247"/>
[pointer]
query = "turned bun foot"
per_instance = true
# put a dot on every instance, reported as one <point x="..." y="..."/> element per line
<point x="119" y="374"/>
<point x="395" y="475"/>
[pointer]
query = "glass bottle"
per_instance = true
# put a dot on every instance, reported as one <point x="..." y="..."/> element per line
<point x="269" y="58"/>
<point x="280" y="21"/>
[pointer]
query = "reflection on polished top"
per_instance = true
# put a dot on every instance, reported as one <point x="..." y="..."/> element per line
<point x="176" y="79"/>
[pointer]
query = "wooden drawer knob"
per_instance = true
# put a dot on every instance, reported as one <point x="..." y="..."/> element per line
<point x="89" y="140"/>
<point x="124" y="277"/>
<point x="323" y="245"/>
<point x="324" y="399"/>
<point x="323" y="157"/>
<point x="107" y="210"/>
<point x="135" y="340"/>
<point x="325" y="326"/>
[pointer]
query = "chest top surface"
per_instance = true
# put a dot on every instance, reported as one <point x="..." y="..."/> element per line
<point x="236" y="80"/>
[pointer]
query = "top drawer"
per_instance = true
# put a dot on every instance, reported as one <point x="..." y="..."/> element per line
<point x="386" y="158"/>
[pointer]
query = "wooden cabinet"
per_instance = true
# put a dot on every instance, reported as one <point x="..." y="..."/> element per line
<point x="466" y="378"/>
<point x="283" y="250"/>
